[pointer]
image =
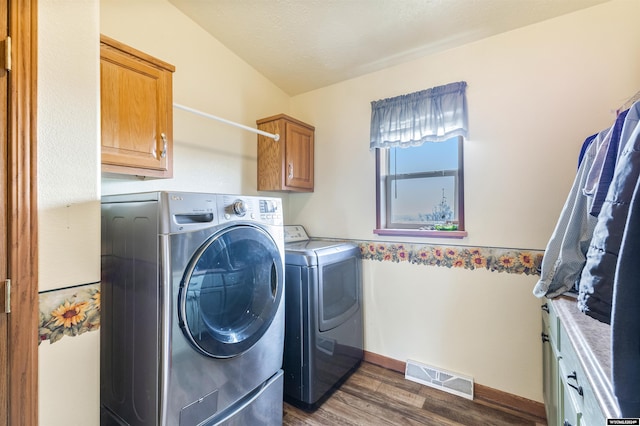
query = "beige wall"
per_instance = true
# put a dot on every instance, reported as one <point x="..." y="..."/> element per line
<point x="68" y="197"/>
<point x="534" y="95"/>
<point x="68" y="126"/>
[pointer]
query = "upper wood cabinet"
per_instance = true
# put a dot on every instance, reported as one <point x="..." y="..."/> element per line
<point x="136" y="111"/>
<point x="285" y="165"/>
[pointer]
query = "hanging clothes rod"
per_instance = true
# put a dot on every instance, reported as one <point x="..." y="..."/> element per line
<point x="275" y="137"/>
<point x="629" y="102"/>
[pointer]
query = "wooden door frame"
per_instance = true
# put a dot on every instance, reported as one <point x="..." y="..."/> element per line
<point x="22" y="213"/>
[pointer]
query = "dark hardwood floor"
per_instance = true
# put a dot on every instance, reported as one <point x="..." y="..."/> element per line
<point x="374" y="396"/>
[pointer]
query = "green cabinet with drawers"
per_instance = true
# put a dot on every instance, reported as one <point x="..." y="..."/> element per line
<point x="568" y="395"/>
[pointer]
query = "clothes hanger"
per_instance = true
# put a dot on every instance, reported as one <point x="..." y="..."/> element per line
<point x="629" y="102"/>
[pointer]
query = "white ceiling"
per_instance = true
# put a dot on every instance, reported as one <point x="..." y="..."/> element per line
<point x="301" y="45"/>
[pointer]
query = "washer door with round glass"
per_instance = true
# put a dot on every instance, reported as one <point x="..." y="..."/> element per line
<point x="231" y="291"/>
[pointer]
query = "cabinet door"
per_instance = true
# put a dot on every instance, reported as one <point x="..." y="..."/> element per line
<point x="298" y="156"/>
<point x="285" y="165"/>
<point x="136" y="113"/>
<point x="550" y="377"/>
<point x="569" y="410"/>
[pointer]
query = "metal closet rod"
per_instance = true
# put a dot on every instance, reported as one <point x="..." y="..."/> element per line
<point x="275" y="137"/>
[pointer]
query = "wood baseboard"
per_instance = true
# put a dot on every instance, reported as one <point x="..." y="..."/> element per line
<point x="386" y="362"/>
<point x="481" y="394"/>
<point x="508" y="401"/>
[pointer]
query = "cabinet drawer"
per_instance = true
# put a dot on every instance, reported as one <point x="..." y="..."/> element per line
<point x="572" y="373"/>
<point x="551" y="321"/>
<point x="569" y="411"/>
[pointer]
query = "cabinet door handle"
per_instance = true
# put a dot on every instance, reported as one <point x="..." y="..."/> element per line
<point x="577" y="387"/>
<point x="290" y="170"/>
<point x="545" y="337"/>
<point x="545" y="308"/>
<point x="164" y="145"/>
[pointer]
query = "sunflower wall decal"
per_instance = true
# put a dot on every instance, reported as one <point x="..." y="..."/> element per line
<point x="69" y="312"/>
<point x="513" y="261"/>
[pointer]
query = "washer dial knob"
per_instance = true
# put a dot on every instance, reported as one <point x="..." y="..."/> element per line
<point x="239" y="207"/>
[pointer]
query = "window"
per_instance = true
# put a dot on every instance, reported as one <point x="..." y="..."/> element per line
<point x="421" y="188"/>
<point x="418" y="140"/>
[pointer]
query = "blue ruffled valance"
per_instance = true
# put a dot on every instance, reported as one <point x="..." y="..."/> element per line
<point x="431" y="115"/>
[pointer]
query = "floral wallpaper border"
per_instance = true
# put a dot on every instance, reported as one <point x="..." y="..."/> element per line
<point x="513" y="261"/>
<point x="76" y="310"/>
<point x="69" y="312"/>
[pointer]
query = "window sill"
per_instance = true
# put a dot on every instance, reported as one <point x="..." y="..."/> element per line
<point x="421" y="233"/>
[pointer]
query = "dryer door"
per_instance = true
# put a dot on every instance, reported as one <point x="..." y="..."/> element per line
<point x="231" y="291"/>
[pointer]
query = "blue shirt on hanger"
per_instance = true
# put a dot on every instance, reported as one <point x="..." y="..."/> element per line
<point x="564" y="256"/>
<point x="585" y="146"/>
<point x="603" y="174"/>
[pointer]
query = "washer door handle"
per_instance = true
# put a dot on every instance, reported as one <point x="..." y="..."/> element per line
<point x="274" y="280"/>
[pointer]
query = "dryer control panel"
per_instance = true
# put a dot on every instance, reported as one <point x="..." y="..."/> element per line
<point x="295" y="233"/>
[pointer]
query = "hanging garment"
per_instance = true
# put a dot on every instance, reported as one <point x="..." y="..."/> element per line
<point x="564" y="256"/>
<point x="592" y="181"/>
<point x="585" y="146"/>
<point x="597" y="278"/>
<point x="601" y="172"/>
<point x="625" y="317"/>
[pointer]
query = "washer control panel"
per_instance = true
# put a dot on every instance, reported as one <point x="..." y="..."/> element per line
<point x="265" y="210"/>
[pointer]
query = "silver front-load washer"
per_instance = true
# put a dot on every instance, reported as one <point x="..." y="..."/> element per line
<point x="192" y="328"/>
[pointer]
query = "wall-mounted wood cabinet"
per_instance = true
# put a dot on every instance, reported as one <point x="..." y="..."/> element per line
<point x="136" y="111"/>
<point x="286" y="164"/>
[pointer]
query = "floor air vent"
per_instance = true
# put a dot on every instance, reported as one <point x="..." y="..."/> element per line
<point x="440" y="379"/>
